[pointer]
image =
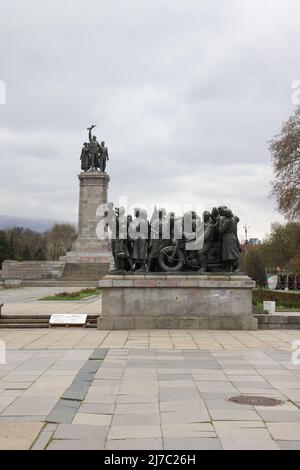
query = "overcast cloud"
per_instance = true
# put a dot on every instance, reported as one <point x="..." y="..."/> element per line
<point x="186" y="94"/>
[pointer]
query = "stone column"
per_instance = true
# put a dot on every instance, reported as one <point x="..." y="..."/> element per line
<point x="90" y="247"/>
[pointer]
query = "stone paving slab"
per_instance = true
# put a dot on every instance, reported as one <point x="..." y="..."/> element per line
<point x="80" y="431"/>
<point x="42" y="441"/>
<point x="92" y="419"/>
<point x="192" y="443"/>
<point x="285" y="431"/>
<point x="18" y="436"/>
<point x="135" y="444"/>
<point x="97" y="408"/>
<point x="135" y="431"/>
<point x="69" y="444"/>
<point x="246" y="439"/>
<point x="289" y="445"/>
<point x="64" y="411"/>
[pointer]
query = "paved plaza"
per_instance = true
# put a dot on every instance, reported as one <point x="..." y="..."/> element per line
<point x="25" y="301"/>
<point x="76" y="388"/>
<point x="89" y="389"/>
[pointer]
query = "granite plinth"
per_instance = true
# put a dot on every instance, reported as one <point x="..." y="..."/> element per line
<point x="183" y="301"/>
<point x="92" y="245"/>
<point x="93" y="193"/>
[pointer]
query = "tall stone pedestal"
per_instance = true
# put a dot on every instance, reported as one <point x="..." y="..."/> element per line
<point x="213" y="302"/>
<point x="89" y="248"/>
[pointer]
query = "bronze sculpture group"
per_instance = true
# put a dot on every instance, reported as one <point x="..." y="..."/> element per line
<point x="93" y="155"/>
<point x="166" y="243"/>
<point x="171" y="244"/>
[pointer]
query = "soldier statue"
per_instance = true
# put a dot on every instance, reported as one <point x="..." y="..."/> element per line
<point x="230" y="243"/>
<point x="103" y="156"/>
<point x="208" y="236"/>
<point x="140" y="227"/>
<point x="94" y="149"/>
<point x="85" y="157"/>
<point x="94" y="155"/>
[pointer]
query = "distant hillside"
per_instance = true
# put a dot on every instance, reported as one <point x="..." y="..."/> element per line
<point x="38" y="225"/>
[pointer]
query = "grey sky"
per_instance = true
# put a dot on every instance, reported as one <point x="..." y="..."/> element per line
<point x="186" y="94"/>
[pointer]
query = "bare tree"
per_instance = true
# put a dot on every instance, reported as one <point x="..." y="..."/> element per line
<point x="59" y="240"/>
<point x="25" y="243"/>
<point x="285" y="151"/>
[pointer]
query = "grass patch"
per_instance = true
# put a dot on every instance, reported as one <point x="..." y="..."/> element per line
<point x="78" y="295"/>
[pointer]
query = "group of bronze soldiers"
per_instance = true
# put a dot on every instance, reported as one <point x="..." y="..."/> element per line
<point x="167" y="243"/>
<point x="93" y="155"/>
<point x="221" y="244"/>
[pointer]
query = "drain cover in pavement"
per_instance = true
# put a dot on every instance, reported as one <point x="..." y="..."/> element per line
<point x="255" y="401"/>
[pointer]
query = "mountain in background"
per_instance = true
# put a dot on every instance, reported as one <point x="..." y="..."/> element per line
<point x="38" y="225"/>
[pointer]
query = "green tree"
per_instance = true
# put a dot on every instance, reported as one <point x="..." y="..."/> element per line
<point x="5" y="247"/>
<point x="279" y="249"/>
<point x="26" y="253"/>
<point x="40" y="254"/>
<point x="282" y="246"/>
<point x="253" y="264"/>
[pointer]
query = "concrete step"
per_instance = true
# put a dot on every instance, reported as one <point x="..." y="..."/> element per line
<point x="4" y="326"/>
<point x="24" y="320"/>
<point x="61" y="283"/>
<point x="278" y="322"/>
<point x="38" y="321"/>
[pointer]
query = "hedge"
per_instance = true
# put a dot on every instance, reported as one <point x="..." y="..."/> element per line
<point x="285" y="299"/>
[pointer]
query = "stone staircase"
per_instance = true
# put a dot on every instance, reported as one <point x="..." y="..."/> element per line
<point x="84" y="271"/>
<point x="39" y="321"/>
<point x="51" y="273"/>
<point x="31" y="270"/>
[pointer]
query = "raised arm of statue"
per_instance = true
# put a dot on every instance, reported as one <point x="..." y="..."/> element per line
<point x="90" y="131"/>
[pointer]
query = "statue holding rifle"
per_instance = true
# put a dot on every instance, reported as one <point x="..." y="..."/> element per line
<point x="93" y="149"/>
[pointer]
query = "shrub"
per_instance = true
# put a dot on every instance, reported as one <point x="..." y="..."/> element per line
<point x="72" y="295"/>
<point x="285" y="299"/>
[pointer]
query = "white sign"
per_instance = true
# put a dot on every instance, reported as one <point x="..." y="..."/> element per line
<point x="296" y="354"/>
<point x="272" y="280"/>
<point x="269" y="306"/>
<point x="68" y="319"/>
<point x="2" y="353"/>
<point x="2" y="92"/>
